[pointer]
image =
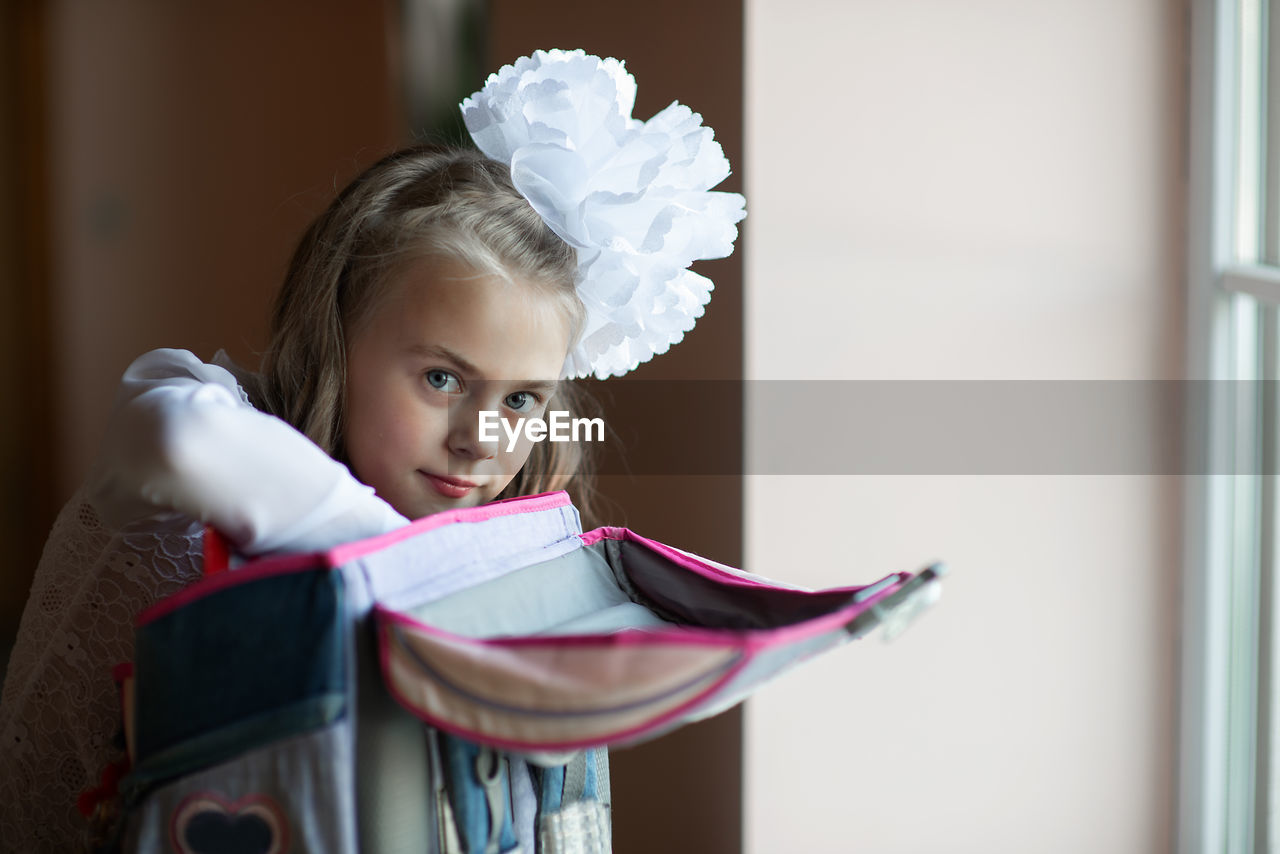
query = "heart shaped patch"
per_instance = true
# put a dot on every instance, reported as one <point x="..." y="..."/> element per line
<point x="208" y="823"/>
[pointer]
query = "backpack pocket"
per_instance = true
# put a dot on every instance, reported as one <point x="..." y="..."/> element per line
<point x="242" y="737"/>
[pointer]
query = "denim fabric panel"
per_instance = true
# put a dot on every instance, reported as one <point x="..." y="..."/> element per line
<point x="590" y="786"/>
<point x="294" y="795"/>
<point x="524" y="802"/>
<point x="474" y="803"/>
<point x="239" y="653"/>
<point x="551" y="786"/>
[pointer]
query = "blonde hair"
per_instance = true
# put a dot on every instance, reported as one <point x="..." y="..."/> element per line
<point x="421" y="201"/>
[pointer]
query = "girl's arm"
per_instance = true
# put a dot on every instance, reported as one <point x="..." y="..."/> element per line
<point x="184" y="439"/>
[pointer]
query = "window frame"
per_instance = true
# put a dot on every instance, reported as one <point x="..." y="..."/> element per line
<point x="1229" y="732"/>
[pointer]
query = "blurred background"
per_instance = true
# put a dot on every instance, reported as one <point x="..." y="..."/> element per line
<point x="936" y="190"/>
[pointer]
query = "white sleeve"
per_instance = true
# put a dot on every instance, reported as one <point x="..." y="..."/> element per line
<point x="183" y="438"/>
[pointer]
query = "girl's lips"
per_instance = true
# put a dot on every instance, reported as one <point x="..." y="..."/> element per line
<point x="450" y="487"/>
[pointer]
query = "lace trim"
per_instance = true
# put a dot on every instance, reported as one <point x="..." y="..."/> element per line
<point x="59" y="710"/>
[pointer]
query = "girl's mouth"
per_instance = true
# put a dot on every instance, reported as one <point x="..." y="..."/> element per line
<point x="450" y="487"/>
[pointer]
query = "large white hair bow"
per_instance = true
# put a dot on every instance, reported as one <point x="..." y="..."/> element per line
<point x="632" y="197"/>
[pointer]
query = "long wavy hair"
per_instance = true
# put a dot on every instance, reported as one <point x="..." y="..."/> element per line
<point x="421" y="201"/>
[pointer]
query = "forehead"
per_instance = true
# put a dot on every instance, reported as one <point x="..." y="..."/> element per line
<point x="506" y="329"/>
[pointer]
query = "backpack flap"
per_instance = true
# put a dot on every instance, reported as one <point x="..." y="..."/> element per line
<point x="614" y="642"/>
<point x="547" y="693"/>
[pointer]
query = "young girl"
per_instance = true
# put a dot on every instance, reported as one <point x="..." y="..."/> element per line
<point x="440" y="283"/>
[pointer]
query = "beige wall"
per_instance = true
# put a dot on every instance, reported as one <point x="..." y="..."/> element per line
<point x="981" y="190"/>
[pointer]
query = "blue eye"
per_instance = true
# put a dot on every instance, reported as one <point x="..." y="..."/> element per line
<point x="520" y="401"/>
<point x="443" y="380"/>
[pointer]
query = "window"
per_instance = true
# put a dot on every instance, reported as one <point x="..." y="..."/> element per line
<point x="1230" y="763"/>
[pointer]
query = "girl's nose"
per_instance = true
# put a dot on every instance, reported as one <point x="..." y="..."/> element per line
<point x="464" y="436"/>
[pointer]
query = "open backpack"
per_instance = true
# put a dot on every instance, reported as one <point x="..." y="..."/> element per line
<point x="452" y="686"/>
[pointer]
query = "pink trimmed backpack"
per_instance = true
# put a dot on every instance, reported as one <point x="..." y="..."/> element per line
<point x="451" y="687"/>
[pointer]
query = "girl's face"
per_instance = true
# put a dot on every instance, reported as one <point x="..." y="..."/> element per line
<point x="444" y="343"/>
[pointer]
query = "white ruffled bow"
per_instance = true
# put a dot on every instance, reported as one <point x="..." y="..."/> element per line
<point x="632" y="197"/>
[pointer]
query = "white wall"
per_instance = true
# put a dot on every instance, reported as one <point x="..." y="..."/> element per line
<point x="988" y="189"/>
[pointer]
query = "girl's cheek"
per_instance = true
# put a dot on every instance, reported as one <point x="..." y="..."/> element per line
<point x="513" y="457"/>
<point x="517" y="456"/>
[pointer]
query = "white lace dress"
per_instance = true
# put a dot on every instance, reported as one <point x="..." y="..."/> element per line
<point x="184" y="449"/>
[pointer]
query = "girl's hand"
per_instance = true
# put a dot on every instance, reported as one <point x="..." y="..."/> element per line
<point x="183" y="439"/>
